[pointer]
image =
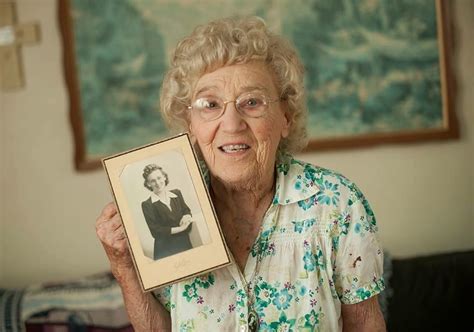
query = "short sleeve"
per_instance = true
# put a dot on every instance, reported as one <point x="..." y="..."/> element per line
<point x="356" y="251"/>
<point x="163" y="295"/>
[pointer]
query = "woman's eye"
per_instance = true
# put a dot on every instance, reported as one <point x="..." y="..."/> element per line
<point x="251" y="102"/>
<point x="207" y="104"/>
<point x="212" y="104"/>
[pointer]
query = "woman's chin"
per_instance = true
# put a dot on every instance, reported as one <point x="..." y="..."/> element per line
<point x="240" y="176"/>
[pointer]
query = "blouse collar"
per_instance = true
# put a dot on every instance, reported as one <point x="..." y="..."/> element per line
<point x="295" y="180"/>
<point x="154" y="197"/>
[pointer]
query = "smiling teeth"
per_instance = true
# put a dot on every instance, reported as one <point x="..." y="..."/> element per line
<point x="234" y="148"/>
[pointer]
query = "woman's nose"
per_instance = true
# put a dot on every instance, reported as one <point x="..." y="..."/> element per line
<point x="232" y="120"/>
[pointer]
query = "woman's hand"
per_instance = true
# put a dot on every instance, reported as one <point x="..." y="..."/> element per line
<point x="110" y="231"/>
<point x="145" y="313"/>
<point x="186" y="224"/>
<point x="183" y="225"/>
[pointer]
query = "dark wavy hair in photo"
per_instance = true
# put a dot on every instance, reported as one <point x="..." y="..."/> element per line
<point x="150" y="169"/>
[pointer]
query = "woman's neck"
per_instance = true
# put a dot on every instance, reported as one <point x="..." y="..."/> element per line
<point x="243" y="201"/>
<point x="162" y="194"/>
<point x="241" y="214"/>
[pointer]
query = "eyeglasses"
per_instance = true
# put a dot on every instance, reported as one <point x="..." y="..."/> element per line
<point x="252" y="105"/>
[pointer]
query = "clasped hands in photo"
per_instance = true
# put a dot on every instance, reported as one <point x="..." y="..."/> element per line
<point x="185" y="223"/>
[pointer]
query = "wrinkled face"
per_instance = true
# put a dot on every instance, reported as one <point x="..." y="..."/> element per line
<point x="156" y="181"/>
<point x="240" y="151"/>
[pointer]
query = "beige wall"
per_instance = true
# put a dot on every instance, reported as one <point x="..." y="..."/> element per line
<point x="2" y="185"/>
<point x="422" y="193"/>
<point x="466" y="65"/>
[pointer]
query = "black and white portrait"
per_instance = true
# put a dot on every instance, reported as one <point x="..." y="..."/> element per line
<point x="163" y="202"/>
<point x="167" y="215"/>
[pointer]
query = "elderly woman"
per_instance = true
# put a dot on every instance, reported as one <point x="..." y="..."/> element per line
<point x="166" y="213"/>
<point x="302" y="238"/>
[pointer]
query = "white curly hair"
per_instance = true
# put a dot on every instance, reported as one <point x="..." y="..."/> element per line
<point x="231" y="41"/>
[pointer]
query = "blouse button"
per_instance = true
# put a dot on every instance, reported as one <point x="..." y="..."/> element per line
<point x="243" y="328"/>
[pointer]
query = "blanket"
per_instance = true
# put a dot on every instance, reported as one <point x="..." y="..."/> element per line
<point x="10" y="308"/>
<point x="91" y="302"/>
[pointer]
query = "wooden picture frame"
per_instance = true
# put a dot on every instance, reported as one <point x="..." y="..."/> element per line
<point x="358" y="93"/>
<point x="164" y="251"/>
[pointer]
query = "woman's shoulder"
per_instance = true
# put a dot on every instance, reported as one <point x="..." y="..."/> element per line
<point x="175" y="193"/>
<point x="146" y="202"/>
<point x="316" y="189"/>
<point x="301" y="178"/>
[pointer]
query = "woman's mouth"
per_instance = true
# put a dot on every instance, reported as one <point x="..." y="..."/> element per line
<point x="234" y="148"/>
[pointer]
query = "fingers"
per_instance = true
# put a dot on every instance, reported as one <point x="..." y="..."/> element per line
<point x="115" y="223"/>
<point x="108" y="212"/>
<point x="110" y="230"/>
<point x="111" y="233"/>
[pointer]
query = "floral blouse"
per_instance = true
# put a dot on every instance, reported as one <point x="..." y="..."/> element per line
<point x="317" y="249"/>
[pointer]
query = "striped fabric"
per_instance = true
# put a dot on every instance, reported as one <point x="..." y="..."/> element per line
<point x="92" y="293"/>
<point x="10" y="309"/>
<point x="96" y="300"/>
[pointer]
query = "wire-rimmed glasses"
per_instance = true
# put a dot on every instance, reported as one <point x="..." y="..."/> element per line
<point x="252" y="105"/>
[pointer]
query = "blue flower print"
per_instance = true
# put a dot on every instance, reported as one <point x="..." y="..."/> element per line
<point x="264" y="327"/>
<point x="312" y="260"/>
<point x="282" y="299"/>
<point x="241" y="298"/>
<point x="165" y="294"/>
<point x="363" y="294"/>
<point x="303" y="225"/>
<point x="298" y="185"/>
<point x="310" y="173"/>
<point x="299" y="226"/>
<point x="264" y="294"/>
<point x="303" y="290"/>
<point x="311" y="319"/>
<point x="275" y="200"/>
<point x="284" y="324"/>
<point x="283" y="168"/>
<point x="357" y="228"/>
<point x="262" y="247"/>
<point x="186" y="326"/>
<point x="307" y="203"/>
<point x="205" y="281"/>
<point x="328" y="193"/>
<point x="190" y="292"/>
<point x="309" y="261"/>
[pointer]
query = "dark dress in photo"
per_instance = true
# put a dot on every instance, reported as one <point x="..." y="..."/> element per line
<point x="161" y="219"/>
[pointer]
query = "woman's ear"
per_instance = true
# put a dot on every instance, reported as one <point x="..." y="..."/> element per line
<point x="191" y="136"/>
<point x="287" y="119"/>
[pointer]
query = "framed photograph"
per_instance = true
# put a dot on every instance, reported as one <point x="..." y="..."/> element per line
<point x="168" y="217"/>
<point x="376" y="71"/>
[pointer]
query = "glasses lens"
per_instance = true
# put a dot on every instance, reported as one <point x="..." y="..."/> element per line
<point x="208" y="107"/>
<point x="253" y="105"/>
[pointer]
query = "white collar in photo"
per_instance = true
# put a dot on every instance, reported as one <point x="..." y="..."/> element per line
<point x="154" y="197"/>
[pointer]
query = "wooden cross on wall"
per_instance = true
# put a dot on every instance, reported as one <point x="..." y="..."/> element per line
<point x="12" y="37"/>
